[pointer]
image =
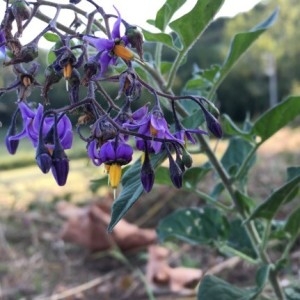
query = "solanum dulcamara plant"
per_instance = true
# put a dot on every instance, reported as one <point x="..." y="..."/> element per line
<point x="144" y="116"/>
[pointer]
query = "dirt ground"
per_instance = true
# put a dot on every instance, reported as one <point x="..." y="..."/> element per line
<point x="35" y="263"/>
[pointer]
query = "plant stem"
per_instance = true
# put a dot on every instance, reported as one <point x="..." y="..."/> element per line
<point x="211" y="200"/>
<point x="250" y="226"/>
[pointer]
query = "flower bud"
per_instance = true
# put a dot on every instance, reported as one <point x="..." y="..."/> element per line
<point x="147" y="173"/>
<point x="103" y="130"/>
<point x="60" y="161"/>
<point x="186" y="158"/>
<point x="21" y="11"/>
<point x="214" y="125"/>
<point x="135" y="38"/>
<point x="60" y="166"/>
<point x="11" y="145"/>
<point x="175" y="172"/>
<point x="43" y="157"/>
<point x="26" y="54"/>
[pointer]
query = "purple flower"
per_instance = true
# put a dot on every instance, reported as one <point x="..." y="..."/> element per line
<point x="110" y="152"/>
<point x="184" y="134"/>
<point x="110" y="49"/>
<point x="113" y="154"/>
<point x="147" y="173"/>
<point x="152" y="125"/>
<point x="11" y="145"/>
<point x="32" y="122"/>
<point x="60" y="166"/>
<point x="2" y="43"/>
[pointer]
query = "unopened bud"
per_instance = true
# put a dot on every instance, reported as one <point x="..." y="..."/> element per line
<point x="60" y="166"/>
<point x="186" y="158"/>
<point x="147" y="173"/>
<point x="12" y="144"/>
<point x="21" y="11"/>
<point x="103" y="130"/>
<point x="176" y="172"/>
<point x="135" y="38"/>
<point x="214" y="126"/>
<point x="27" y="54"/>
<point x="43" y="157"/>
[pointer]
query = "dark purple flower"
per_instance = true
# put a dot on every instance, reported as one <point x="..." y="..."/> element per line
<point x="212" y="123"/>
<point x="110" y="49"/>
<point x="184" y="134"/>
<point x="110" y="152"/>
<point x="147" y="173"/>
<point x="152" y="125"/>
<point x="2" y="43"/>
<point x="44" y="162"/>
<point x="60" y="161"/>
<point x="43" y="157"/>
<point x="11" y="145"/>
<point x="60" y="167"/>
<point x="176" y="172"/>
<point x="32" y="122"/>
<point x="113" y="154"/>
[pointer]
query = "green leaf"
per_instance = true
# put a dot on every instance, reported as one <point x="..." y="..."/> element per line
<point x="165" y="67"/>
<point x="190" y="26"/>
<point x="217" y="190"/>
<point x="238" y="239"/>
<point x="162" y="176"/>
<point x="98" y="183"/>
<point x="292" y="292"/>
<point x="276" y="118"/>
<point x="195" y="226"/>
<point x="231" y="128"/>
<point x="284" y="194"/>
<point x="262" y="277"/>
<point x="214" y="288"/>
<point x="292" y="172"/>
<point x="240" y="43"/>
<point x="51" y="57"/>
<point x="159" y="37"/>
<point x="292" y="225"/>
<point x="166" y="12"/>
<point x="132" y="189"/>
<point x="51" y="37"/>
<point x="201" y="83"/>
<point x="192" y="176"/>
<point x="245" y="202"/>
<point x="236" y="152"/>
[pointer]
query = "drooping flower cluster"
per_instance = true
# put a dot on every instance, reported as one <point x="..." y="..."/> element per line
<point x="116" y="128"/>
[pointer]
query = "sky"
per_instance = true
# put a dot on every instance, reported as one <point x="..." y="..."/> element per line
<point x="136" y="12"/>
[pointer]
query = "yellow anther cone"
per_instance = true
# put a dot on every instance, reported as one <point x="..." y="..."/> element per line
<point x="67" y="71"/>
<point x="123" y="52"/>
<point x="115" y="173"/>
